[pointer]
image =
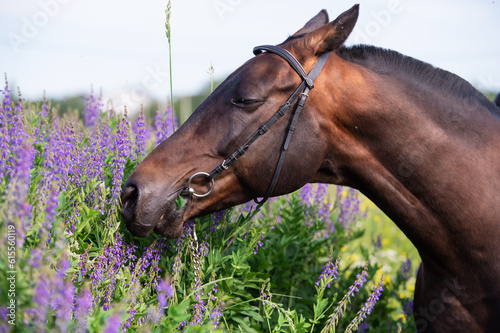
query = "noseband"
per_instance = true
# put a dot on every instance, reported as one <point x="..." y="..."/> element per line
<point x="301" y="93"/>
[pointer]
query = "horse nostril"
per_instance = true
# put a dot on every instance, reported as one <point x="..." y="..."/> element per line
<point x="130" y="194"/>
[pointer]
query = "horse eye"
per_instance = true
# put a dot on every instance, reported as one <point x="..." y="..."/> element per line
<point x="246" y="102"/>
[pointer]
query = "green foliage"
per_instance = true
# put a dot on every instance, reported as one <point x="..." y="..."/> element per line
<point x="248" y="269"/>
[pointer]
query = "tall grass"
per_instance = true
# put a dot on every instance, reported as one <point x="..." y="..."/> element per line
<point x="286" y="266"/>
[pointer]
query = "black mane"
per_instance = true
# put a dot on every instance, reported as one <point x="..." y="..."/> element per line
<point x="386" y="61"/>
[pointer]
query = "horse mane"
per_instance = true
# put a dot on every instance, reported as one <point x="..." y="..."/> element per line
<point x="384" y="61"/>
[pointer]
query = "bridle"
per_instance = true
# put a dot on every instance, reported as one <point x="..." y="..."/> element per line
<point x="301" y="93"/>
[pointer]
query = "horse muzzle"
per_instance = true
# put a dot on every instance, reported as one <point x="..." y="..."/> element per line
<point x="144" y="211"/>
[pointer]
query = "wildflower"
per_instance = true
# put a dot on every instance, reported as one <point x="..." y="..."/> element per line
<point x="105" y="133"/>
<point x="96" y="156"/>
<point x="265" y="294"/>
<point x="217" y="218"/>
<point x="330" y="271"/>
<point x="121" y="147"/>
<point x="367" y="307"/>
<point x="348" y="206"/>
<point x="405" y="269"/>
<point x="4" y="326"/>
<point x="170" y="123"/>
<point x="5" y="115"/>
<point x="114" y="323"/>
<point x="163" y="125"/>
<point x="140" y="136"/>
<point x="92" y="110"/>
<point x="36" y="257"/>
<point x="176" y="269"/>
<point x="215" y="315"/>
<point x="20" y="208"/>
<point x="157" y="127"/>
<point x="63" y="303"/>
<point x="259" y="244"/>
<point x="82" y="310"/>
<point x="320" y="195"/>
<point x="204" y="248"/>
<point x="306" y="194"/>
<point x="165" y="291"/>
<point x="408" y="307"/>
<point x="51" y="208"/>
<point x="339" y="310"/>
<point x="41" y="299"/>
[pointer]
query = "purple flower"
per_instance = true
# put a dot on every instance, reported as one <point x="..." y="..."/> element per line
<point x="5" y="120"/>
<point x="330" y="272"/>
<point x="51" y="208"/>
<point x="36" y="257"/>
<point x="367" y="307"/>
<point x="372" y="299"/>
<point x="121" y="150"/>
<point x="103" y="270"/>
<point x="41" y="299"/>
<point x="105" y="132"/>
<point x="216" y="220"/>
<point x="4" y="326"/>
<point x="306" y="194"/>
<point x="82" y="310"/>
<point x="140" y="136"/>
<point x="215" y="315"/>
<point x="176" y="268"/>
<point x="165" y="291"/>
<point x="348" y="206"/>
<point x="63" y="304"/>
<point x="163" y="125"/>
<point x="405" y="269"/>
<point x="408" y="307"/>
<point x="363" y="327"/>
<point x="19" y="207"/>
<point x="114" y="323"/>
<point x="360" y="280"/>
<point x="353" y="289"/>
<point x="92" y="110"/>
<point x="95" y="157"/>
<point x="259" y="244"/>
<point x="204" y="248"/>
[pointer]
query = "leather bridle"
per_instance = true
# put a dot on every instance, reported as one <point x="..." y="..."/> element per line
<point x="301" y="93"/>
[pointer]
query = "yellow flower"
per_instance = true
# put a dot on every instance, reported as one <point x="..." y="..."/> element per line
<point x="355" y="257"/>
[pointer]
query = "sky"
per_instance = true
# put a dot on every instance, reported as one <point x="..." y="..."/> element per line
<point x="119" y="47"/>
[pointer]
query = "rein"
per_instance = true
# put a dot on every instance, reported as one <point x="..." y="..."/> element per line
<point x="301" y="93"/>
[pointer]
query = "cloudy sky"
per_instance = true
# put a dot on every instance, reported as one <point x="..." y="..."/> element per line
<point x="64" y="47"/>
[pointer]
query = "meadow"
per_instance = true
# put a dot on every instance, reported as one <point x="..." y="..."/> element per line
<point x="322" y="259"/>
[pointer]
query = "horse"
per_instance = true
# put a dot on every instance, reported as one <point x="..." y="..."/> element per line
<point x="497" y="100"/>
<point x="418" y="141"/>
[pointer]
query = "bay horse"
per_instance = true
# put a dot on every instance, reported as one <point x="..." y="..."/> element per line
<point x="420" y="142"/>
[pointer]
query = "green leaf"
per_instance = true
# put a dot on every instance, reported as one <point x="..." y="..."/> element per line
<point x="319" y="307"/>
<point x="180" y="202"/>
<point x="178" y="313"/>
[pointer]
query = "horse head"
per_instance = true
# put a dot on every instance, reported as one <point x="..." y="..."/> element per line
<point x="222" y="123"/>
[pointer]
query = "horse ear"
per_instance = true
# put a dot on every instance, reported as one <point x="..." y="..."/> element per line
<point x="331" y="36"/>
<point x="317" y="21"/>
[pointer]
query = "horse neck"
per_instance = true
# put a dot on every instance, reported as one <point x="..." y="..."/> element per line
<point x="424" y="160"/>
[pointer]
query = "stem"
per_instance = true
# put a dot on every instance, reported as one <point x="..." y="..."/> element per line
<point x="167" y="32"/>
